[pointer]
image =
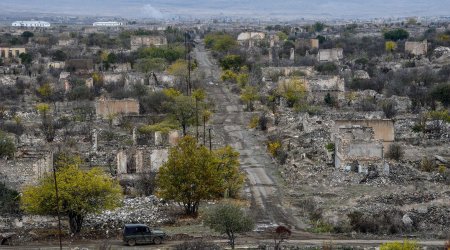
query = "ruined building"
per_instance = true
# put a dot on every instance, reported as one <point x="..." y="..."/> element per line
<point x="356" y="149"/>
<point x="11" y="52"/>
<point x="383" y="129"/>
<point x="147" y="41"/>
<point x="250" y="38"/>
<point x="330" y="55"/>
<point x="416" y="48"/>
<point x="104" y="107"/>
<point x="320" y="86"/>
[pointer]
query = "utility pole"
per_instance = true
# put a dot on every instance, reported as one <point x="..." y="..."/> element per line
<point x="189" y="70"/>
<point x="57" y="206"/>
<point x="210" y="144"/>
<point x="196" y="118"/>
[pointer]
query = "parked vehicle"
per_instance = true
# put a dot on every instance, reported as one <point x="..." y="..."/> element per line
<point x="141" y="234"/>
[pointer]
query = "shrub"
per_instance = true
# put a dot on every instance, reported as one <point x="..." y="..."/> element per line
<point x="367" y="104"/>
<point x="322" y="227"/>
<point x="389" y="109"/>
<point x="262" y="121"/>
<point x="395" y="152"/>
<point x="427" y="164"/>
<point x="273" y="147"/>
<point x="9" y="200"/>
<point x="254" y="122"/>
<point x="15" y="128"/>
<point x="7" y="147"/>
<point x="328" y="68"/>
<point x="197" y="245"/>
<point x="281" y="155"/>
<point x="442" y="169"/>
<point x="330" y="147"/>
<point x="232" y="62"/>
<point x="329" y="100"/>
<point x="80" y="93"/>
<point x="406" y="245"/>
<point x="146" y="184"/>
<point x="383" y="222"/>
<point x="229" y="75"/>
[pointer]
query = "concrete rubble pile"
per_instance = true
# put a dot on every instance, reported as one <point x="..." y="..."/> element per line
<point x="146" y="210"/>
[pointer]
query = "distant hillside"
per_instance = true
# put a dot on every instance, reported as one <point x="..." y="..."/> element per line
<point x="251" y="8"/>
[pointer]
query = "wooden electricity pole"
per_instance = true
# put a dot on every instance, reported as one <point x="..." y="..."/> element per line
<point x="57" y="207"/>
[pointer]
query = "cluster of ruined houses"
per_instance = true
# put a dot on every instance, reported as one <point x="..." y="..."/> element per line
<point x="359" y="144"/>
<point x="32" y="161"/>
<point x="252" y="39"/>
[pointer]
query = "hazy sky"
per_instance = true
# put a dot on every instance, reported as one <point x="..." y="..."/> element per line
<point x="249" y="8"/>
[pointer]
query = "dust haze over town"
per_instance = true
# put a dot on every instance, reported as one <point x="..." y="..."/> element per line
<point x="219" y="124"/>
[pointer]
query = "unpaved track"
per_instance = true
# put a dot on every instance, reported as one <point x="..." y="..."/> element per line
<point x="230" y="122"/>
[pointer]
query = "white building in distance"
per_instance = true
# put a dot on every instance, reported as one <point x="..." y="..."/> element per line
<point x="30" y="24"/>
<point x="108" y="24"/>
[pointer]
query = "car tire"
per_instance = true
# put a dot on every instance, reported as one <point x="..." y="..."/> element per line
<point x="157" y="240"/>
<point x="131" y="242"/>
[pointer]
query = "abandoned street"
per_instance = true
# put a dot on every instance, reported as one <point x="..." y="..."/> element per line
<point x="230" y="123"/>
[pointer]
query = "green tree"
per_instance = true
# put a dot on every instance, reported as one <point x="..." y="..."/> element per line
<point x="112" y="58"/>
<point x="230" y="220"/>
<point x="59" y="55"/>
<point x="321" y="39"/>
<point x="147" y="65"/>
<point x="441" y="93"/>
<point x="232" y="62"/>
<point x="228" y="165"/>
<point x="249" y="95"/>
<point x="7" y="147"/>
<point x="319" y="27"/>
<point x="220" y="42"/>
<point x="282" y="36"/>
<point x="183" y="111"/>
<point x="26" y="35"/>
<point x="170" y="54"/>
<point x="25" y="58"/>
<point x="292" y="90"/>
<point x="189" y="176"/>
<point x="80" y="193"/>
<point x="396" y="34"/>
<point x="9" y="200"/>
<point x="179" y="69"/>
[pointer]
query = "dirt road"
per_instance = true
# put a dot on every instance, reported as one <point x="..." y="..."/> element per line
<point x="230" y="123"/>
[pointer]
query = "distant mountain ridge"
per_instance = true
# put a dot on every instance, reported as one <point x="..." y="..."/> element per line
<point x="246" y="8"/>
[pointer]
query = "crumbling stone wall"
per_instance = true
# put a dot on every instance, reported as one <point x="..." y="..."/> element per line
<point x="250" y="38"/>
<point x="357" y="145"/>
<point x="105" y="107"/>
<point x="140" y="160"/>
<point x="147" y="41"/>
<point x="267" y="72"/>
<point x="23" y="171"/>
<point x="67" y="42"/>
<point x="417" y="48"/>
<point x="11" y="52"/>
<point x="330" y="55"/>
<point x="319" y="86"/>
<point x="383" y="128"/>
<point x="109" y="78"/>
<point x="312" y="43"/>
<point x="158" y="157"/>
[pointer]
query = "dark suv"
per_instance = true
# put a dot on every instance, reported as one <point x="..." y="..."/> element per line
<point x="140" y="234"/>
